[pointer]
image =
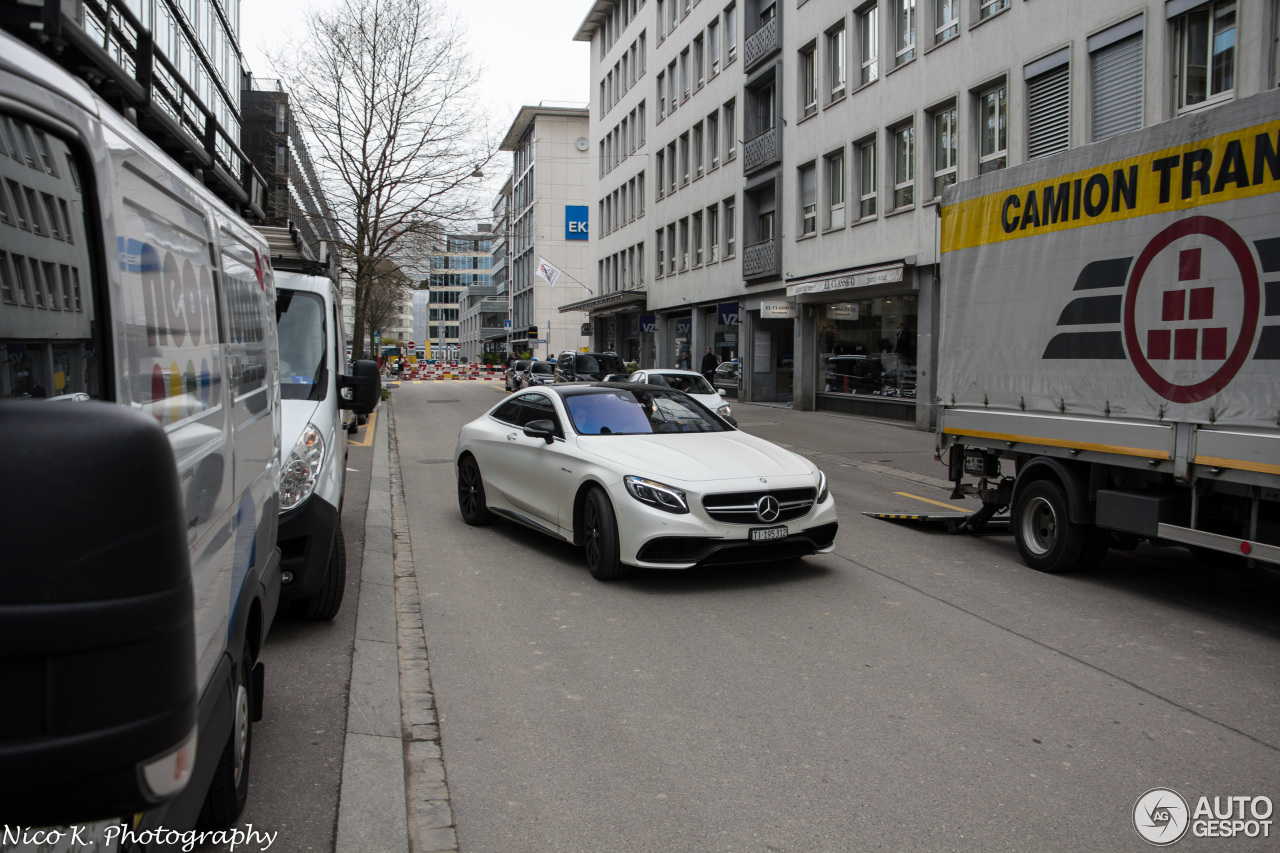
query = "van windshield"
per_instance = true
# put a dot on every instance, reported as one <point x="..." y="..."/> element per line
<point x="300" y="321"/>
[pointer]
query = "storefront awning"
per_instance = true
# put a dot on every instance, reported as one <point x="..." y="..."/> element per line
<point x="608" y="300"/>
<point x="862" y="277"/>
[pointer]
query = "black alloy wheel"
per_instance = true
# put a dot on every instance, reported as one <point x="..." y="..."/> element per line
<point x="471" y="493"/>
<point x="600" y="537"/>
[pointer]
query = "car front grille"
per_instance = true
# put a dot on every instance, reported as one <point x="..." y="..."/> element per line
<point x="740" y="507"/>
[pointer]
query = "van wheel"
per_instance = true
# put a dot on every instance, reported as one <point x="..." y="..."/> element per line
<point x="230" y="786"/>
<point x="600" y="537"/>
<point x="353" y="427"/>
<point x="326" y="603"/>
<point x="1048" y="540"/>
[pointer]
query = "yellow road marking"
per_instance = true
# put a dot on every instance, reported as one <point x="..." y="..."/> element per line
<point x="931" y="501"/>
<point x="367" y="441"/>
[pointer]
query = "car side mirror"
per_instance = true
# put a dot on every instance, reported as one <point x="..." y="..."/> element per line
<point x="723" y="393"/>
<point x="544" y="430"/>
<point x="361" y="390"/>
<point x="97" y="616"/>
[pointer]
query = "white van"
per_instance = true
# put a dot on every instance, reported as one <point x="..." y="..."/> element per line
<point x="315" y="392"/>
<point x="140" y="570"/>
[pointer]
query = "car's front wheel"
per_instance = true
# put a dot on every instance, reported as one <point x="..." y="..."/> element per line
<point x="600" y="537"/>
<point x="471" y="493"/>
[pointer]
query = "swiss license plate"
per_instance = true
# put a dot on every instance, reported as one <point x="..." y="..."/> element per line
<point x="766" y="534"/>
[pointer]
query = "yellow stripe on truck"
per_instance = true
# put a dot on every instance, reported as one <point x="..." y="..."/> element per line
<point x="1058" y="442"/>
<point x="1238" y="464"/>
<point x="1240" y="164"/>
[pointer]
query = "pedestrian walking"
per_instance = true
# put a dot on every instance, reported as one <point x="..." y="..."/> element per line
<point x="709" y="364"/>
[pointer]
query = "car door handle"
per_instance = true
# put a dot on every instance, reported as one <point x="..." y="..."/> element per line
<point x="511" y="436"/>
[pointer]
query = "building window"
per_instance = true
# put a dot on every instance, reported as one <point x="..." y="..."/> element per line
<point x="1116" y="57"/>
<point x="867" y="179"/>
<point x="713" y="139"/>
<point x="660" y="162"/>
<point x="713" y="43"/>
<point x="990" y="7"/>
<point x="639" y="194"/>
<point x="684" y="73"/>
<point x="640" y="124"/>
<point x="1206" y="54"/>
<point x="697" y="150"/>
<point x="713" y="234"/>
<point x="671" y="87"/>
<point x="671" y="249"/>
<point x="946" y="20"/>
<point x="836" y="62"/>
<point x="808" y="82"/>
<point x="764" y="103"/>
<point x="696" y="225"/>
<point x="662" y="22"/>
<point x="640" y="55"/>
<point x="684" y="159"/>
<point x="730" y="227"/>
<point x="835" y="189"/>
<point x="906" y="31"/>
<point x="662" y="95"/>
<point x="904" y="165"/>
<point x="658" y="243"/>
<point x="1048" y="112"/>
<point x="808" y="200"/>
<point x="671" y="169"/>
<point x="699" y="52"/>
<point x="731" y="33"/>
<point x="993" y="116"/>
<point x="945" y="149"/>
<point x="869" y="43"/>
<point x="730" y="132"/>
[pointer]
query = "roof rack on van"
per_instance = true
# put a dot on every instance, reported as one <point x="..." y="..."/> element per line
<point x="290" y="253"/>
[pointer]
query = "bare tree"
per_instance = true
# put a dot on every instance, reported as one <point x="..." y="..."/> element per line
<point x="385" y="90"/>
<point x="382" y="299"/>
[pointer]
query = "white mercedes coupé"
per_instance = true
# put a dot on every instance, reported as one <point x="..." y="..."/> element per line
<point x="640" y="476"/>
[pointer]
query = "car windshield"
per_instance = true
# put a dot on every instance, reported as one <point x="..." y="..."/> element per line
<point x="599" y="364"/>
<point x="520" y="365"/>
<point x="689" y="383"/>
<point x="616" y="411"/>
<point x="300" y="321"/>
<point x="542" y="367"/>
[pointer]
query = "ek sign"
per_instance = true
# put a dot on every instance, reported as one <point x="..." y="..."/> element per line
<point x="575" y="221"/>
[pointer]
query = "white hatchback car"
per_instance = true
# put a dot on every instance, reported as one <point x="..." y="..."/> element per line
<point x="690" y="382"/>
<point x="640" y="476"/>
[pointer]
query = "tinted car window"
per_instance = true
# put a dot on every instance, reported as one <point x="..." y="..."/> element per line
<point x="542" y="367"/>
<point x="588" y="363"/>
<point x="509" y="412"/>
<point x="619" y="412"/>
<point x="536" y="407"/>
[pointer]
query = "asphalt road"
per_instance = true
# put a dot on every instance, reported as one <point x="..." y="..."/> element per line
<point x="911" y="691"/>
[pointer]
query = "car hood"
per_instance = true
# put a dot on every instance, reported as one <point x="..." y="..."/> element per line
<point x="693" y="457"/>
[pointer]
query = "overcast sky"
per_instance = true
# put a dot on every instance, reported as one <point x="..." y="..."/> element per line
<point x="525" y="47"/>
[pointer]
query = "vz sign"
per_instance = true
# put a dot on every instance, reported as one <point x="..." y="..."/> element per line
<point x="575" y="222"/>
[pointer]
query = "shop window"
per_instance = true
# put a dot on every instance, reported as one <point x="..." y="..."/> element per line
<point x="868" y="347"/>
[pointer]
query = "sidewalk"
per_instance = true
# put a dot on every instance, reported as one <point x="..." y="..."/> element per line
<point x="394" y="795"/>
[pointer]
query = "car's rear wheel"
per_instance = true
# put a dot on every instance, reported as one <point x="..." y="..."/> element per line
<point x="471" y="493"/>
<point x="600" y="537"/>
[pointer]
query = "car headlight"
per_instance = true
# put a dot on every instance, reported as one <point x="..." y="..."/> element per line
<point x="823" y="491"/>
<point x="656" y="494"/>
<point x="725" y="410"/>
<point x="301" y="469"/>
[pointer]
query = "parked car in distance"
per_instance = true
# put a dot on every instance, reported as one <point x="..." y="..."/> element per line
<point x="538" y="373"/>
<point x="690" y="382"/>
<point x="587" y="366"/>
<point x="640" y="476"/>
<point x="511" y="376"/>
<point x="729" y="372"/>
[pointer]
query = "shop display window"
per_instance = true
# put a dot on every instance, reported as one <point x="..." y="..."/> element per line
<point x="868" y="347"/>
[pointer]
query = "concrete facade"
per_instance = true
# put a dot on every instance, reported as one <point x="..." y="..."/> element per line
<point x="551" y="162"/>
<point x="834" y="264"/>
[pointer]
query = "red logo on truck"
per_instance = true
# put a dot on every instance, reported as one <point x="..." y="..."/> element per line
<point x="1183" y="322"/>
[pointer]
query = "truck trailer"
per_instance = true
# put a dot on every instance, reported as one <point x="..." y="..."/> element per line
<point x="1109" y="355"/>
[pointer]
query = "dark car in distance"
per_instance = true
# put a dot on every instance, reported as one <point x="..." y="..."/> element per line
<point x="511" y="377"/>
<point x="587" y="366"/>
<point x="538" y="373"/>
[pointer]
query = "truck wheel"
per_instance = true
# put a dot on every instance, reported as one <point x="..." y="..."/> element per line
<point x="1047" y="538"/>
<point x="327" y="601"/>
<point x="230" y="786"/>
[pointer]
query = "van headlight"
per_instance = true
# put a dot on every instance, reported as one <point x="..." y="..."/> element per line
<point x="724" y="411"/>
<point x="823" y="491"/>
<point x="656" y="494"/>
<point x="301" y="469"/>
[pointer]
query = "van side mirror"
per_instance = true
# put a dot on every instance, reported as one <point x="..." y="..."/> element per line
<point x="97" y="619"/>
<point x="361" y="390"/>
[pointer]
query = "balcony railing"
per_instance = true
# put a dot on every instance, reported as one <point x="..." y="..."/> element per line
<point x="762" y="42"/>
<point x="762" y="149"/>
<point x="760" y="259"/>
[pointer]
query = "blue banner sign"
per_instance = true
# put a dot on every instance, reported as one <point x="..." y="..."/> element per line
<point x="727" y="314"/>
<point x="575" y="221"/>
<point x="648" y="323"/>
